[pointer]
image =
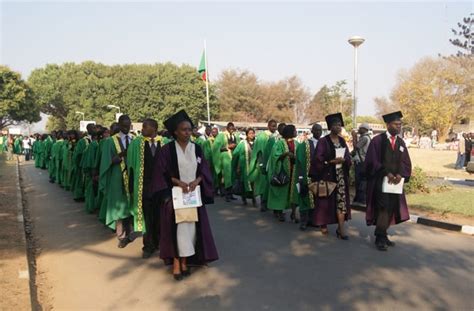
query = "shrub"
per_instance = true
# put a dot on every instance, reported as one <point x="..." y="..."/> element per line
<point x="418" y="182"/>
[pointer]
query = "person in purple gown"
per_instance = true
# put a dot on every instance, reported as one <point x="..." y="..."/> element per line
<point x="388" y="157"/>
<point x="331" y="163"/>
<point x="181" y="163"/>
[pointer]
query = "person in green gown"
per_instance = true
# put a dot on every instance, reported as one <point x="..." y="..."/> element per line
<point x="281" y="162"/>
<point x="207" y="150"/>
<point x="42" y="151"/>
<point x="222" y="149"/>
<point x="17" y="145"/>
<point x="56" y="157"/>
<point x="79" y="179"/>
<point x="48" y="144"/>
<point x="87" y="165"/>
<point x="37" y="149"/>
<point x="260" y="155"/>
<point x="3" y="143"/>
<point x="244" y="166"/>
<point x="101" y="203"/>
<point x="51" y="164"/>
<point x="144" y="204"/>
<point x="114" y="183"/>
<point x="67" y="152"/>
<point x="304" y="154"/>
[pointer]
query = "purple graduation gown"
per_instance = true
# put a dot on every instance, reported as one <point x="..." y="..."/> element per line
<point x="325" y="211"/>
<point x="374" y="168"/>
<point x="167" y="167"/>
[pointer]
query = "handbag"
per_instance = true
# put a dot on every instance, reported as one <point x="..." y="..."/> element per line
<point x="322" y="188"/>
<point x="281" y="179"/>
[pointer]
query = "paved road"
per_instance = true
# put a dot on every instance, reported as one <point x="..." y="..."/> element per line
<point x="264" y="265"/>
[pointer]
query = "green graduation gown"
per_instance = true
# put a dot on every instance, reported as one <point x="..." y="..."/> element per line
<point x="78" y="179"/>
<point x="3" y="143"/>
<point x="48" y="144"/>
<point x="242" y="161"/>
<point x="114" y="183"/>
<point x="56" y="158"/>
<point x="67" y="149"/>
<point x="302" y="166"/>
<point x="100" y="202"/>
<point x="135" y="166"/>
<point x="17" y="147"/>
<point x="281" y="198"/>
<point x="259" y="157"/>
<point x="223" y="159"/>
<point x="88" y="165"/>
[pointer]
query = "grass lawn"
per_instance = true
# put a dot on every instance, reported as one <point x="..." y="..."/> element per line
<point x="459" y="200"/>
<point x="437" y="163"/>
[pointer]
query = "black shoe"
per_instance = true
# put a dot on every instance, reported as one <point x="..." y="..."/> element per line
<point x="147" y="254"/>
<point x="123" y="242"/>
<point x="244" y="201"/>
<point x="281" y="217"/>
<point x="389" y="243"/>
<point x="380" y="244"/>
<point x="340" y="236"/>
<point x="178" y="277"/>
<point x="293" y="218"/>
<point x="303" y="226"/>
<point x="186" y="273"/>
<point x="227" y="199"/>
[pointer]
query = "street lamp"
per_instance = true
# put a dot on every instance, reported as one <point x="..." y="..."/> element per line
<point x="113" y="106"/>
<point x="82" y="113"/>
<point x="355" y="41"/>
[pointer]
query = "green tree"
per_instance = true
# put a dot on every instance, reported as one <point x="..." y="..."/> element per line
<point x="16" y="99"/>
<point x="330" y="99"/>
<point x="142" y="91"/>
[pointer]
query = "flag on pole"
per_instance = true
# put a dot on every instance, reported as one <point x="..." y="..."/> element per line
<point x="202" y="67"/>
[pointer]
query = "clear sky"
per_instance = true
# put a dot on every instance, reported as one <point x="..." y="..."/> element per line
<point x="272" y="39"/>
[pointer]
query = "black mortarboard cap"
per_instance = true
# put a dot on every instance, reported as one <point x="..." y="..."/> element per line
<point x="397" y="115"/>
<point x="332" y="118"/>
<point x="172" y="123"/>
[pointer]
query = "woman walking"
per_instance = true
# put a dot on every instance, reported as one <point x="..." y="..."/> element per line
<point x="331" y="165"/>
<point x="181" y="163"/>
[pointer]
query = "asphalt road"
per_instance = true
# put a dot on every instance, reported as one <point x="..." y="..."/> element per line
<point x="264" y="264"/>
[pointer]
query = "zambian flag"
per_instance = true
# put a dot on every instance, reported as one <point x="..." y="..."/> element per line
<point x="202" y="67"/>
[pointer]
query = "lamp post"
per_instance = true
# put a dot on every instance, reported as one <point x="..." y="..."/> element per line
<point x="355" y="41"/>
<point x="82" y="113"/>
<point x="113" y="106"/>
<point x="117" y="115"/>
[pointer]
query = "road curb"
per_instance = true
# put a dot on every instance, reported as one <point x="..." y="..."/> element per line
<point x="469" y="180"/>
<point x="23" y="274"/>
<point x="465" y="229"/>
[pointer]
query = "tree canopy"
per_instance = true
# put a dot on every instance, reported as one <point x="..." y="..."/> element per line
<point x="141" y="91"/>
<point x="16" y="99"/>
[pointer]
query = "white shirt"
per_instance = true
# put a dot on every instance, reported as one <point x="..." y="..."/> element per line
<point x="389" y="136"/>
<point x="26" y="143"/>
<point x="123" y="138"/>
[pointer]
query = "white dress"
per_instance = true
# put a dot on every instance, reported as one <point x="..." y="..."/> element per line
<point x="186" y="231"/>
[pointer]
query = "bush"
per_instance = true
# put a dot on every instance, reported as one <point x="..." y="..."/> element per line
<point x="418" y="182"/>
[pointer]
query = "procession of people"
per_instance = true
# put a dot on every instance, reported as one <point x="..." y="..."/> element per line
<point x="132" y="181"/>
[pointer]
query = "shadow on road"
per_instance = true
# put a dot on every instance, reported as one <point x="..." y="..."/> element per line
<point x="267" y="265"/>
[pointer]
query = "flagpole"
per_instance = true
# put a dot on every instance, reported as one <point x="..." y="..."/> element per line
<point x="207" y="85"/>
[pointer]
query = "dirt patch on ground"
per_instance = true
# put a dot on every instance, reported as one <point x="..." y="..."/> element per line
<point x="14" y="287"/>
